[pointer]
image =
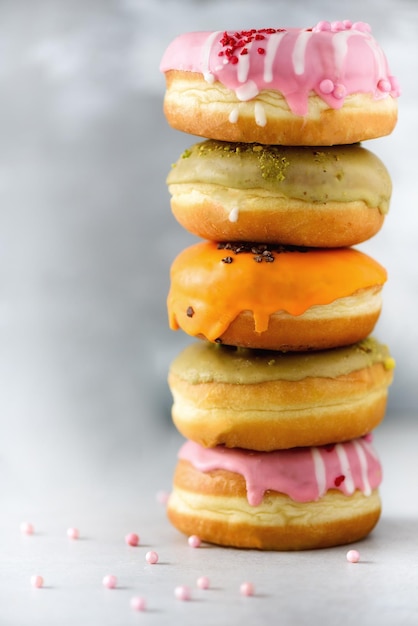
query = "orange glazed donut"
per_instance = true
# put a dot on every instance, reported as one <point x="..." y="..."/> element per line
<point x="326" y="197"/>
<point x="264" y="400"/>
<point x="325" y="85"/>
<point x="295" y="499"/>
<point x="275" y="297"/>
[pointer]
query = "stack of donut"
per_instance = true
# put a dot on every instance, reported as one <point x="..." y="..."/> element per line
<point x="278" y="395"/>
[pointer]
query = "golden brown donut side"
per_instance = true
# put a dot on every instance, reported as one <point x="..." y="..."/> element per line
<point x="326" y="327"/>
<point x="287" y="222"/>
<point x="199" y="108"/>
<point x="214" y="506"/>
<point x="281" y="413"/>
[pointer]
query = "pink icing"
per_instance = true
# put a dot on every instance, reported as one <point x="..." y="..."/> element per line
<point x="332" y="60"/>
<point x="304" y="474"/>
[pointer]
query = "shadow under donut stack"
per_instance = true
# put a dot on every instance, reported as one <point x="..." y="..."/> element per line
<point x="278" y="397"/>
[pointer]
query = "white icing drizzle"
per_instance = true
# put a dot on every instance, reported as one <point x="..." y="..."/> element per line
<point x="345" y="468"/>
<point x="207" y="48"/>
<point x="234" y="115"/>
<point x="378" y="56"/>
<point x="339" y="42"/>
<point x="244" y="65"/>
<point x="364" y="467"/>
<point x="271" y="49"/>
<point x="259" y="114"/>
<point x="248" y="91"/>
<point x="320" y="474"/>
<point x="299" y="52"/>
<point x="234" y="214"/>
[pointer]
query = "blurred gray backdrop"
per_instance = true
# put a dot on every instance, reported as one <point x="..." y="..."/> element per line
<point x="86" y="232"/>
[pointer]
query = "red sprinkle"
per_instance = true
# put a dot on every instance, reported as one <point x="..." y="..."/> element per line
<point x="340" y="479"/>
<point x="237" y="41"/>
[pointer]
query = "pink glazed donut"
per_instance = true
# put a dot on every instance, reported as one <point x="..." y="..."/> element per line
<point x="325" y="85"/>
<point x="303" y="498"/>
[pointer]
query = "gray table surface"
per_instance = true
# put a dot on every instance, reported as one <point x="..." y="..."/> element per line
<point x="317" y="587"/>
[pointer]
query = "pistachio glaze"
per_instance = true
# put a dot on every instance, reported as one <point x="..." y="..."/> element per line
<point x="204" y="362"/>
<point x="314" y="175"/>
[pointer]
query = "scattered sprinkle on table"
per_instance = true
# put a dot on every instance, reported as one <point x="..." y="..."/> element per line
<point x="132" y="539"/>
<point x="138" y="603"/>
<point x="194" y="541"/>
<point x="182" y="592"/>
<point x="353" y="556"/>
<point x="162" y="496"/>
<point x="37" y="581"/>
<point x="110" y="581"/>
<point x="203" y="582"/>
<point x="151" y="557"/>
<point x="26" y="528"/>
<point x="246" y="589"/>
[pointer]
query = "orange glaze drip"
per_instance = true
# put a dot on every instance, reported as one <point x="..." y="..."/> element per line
<point x="207" y="294"/>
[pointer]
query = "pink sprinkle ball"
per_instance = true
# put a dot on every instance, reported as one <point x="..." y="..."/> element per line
<point x="203" y="582"/>
<point x="26" y="528"/>
<point x="339" y="91"/>
<point x="326" y="86"/>
<point x="110" y="581"/>
<point x="362" y="26"/>
<point x="138" y="603"/>
<point x="132" y="539"/>
<point x="37" y="581"/>
<point x="353" y="556"/>
<point x="384" y="85"/>
<point x="162" y="497"/>
<point x="73" y="533"/>
<point x="322" y="26"/>
<point x="246" y="589"/>
<point x="151" y="557"/>
<point x="338" y="26"/>
<point x="182" y="592"/>
<point x="194" y="541"/>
